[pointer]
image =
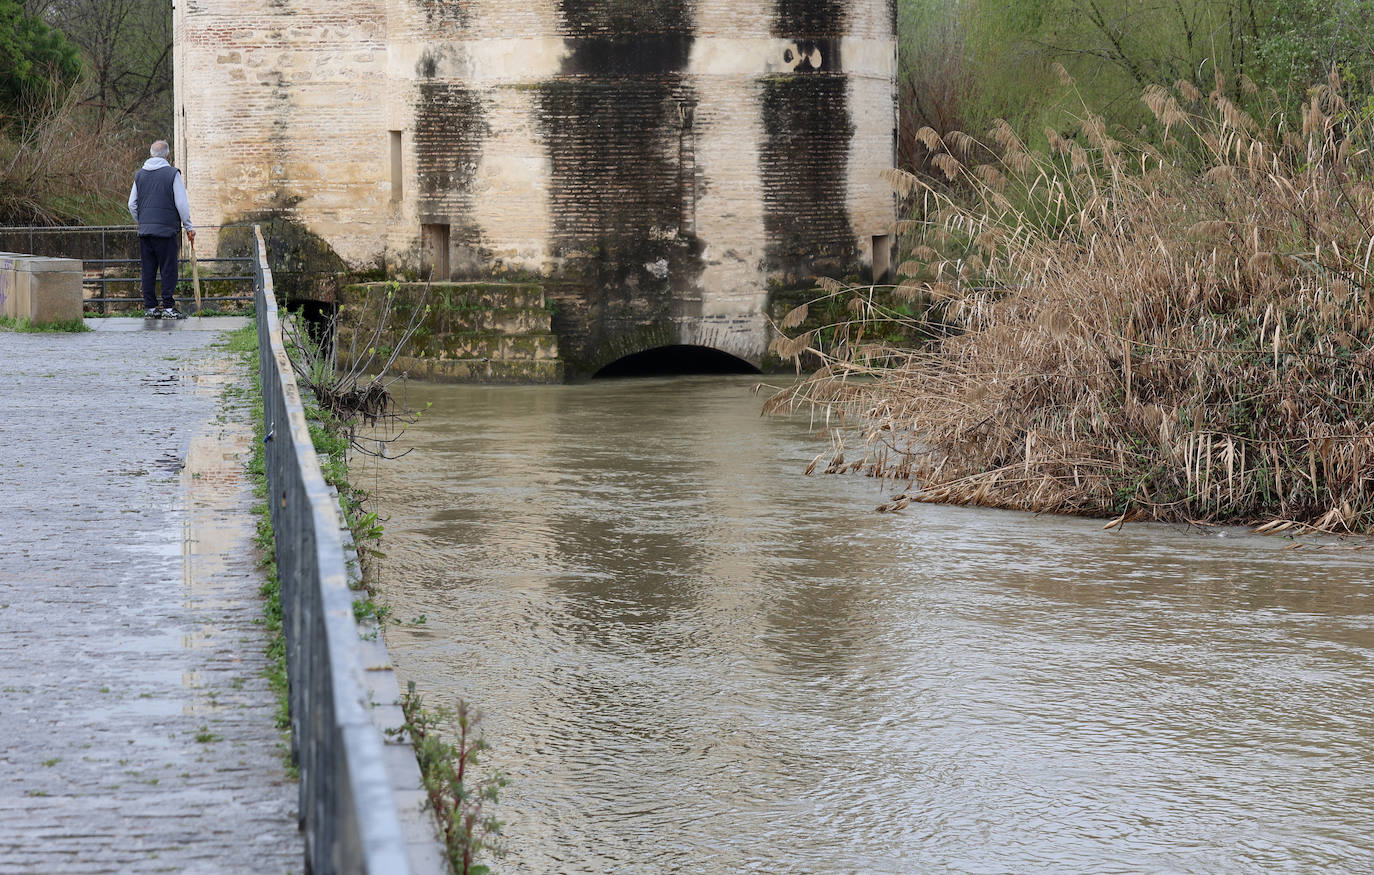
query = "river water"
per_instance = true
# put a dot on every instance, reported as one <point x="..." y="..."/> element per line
<point x="692" y="658"/>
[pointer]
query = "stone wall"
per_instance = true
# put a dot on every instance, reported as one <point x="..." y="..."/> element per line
<point x="456" y="332"/>
<point x="664" y="162"/>
<point x="278" y="112"/>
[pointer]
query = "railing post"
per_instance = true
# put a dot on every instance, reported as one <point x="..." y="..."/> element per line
<point x="103" y="257"/>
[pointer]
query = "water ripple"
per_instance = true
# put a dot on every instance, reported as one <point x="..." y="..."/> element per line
<point x="692" y="659"/>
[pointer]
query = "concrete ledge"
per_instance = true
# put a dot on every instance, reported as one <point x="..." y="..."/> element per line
<point x="424" y="850"/>
<point x="41" y="290"/>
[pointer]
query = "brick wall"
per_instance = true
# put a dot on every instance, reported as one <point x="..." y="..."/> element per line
<point x="277" y="112"/>
<point x="672" y="155"/>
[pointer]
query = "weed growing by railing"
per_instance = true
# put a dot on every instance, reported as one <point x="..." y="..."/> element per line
<point x="244" y="344"/>
<point x="458" y="799"/>
<point x="353" y="385"/>
<point x="335" y="402"/>
<point x="1176" y="327"/>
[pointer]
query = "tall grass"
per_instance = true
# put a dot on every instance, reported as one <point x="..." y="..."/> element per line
<point x="1174" y="329"/>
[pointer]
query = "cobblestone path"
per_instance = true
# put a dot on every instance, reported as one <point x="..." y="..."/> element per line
<point x="137" y="731"/>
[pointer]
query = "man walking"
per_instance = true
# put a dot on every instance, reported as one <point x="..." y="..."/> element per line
<point x="158" y="203"/>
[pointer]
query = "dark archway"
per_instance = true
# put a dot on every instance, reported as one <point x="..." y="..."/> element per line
<point x="674" y="360"/>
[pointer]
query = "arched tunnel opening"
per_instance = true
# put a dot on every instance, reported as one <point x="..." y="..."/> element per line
<point x="677" y="360"/>
<point x="319" y="319"/>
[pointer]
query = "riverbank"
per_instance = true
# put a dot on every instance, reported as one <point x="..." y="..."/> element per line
<point x="141" y="724"/>
<point x="1173" y="327"/>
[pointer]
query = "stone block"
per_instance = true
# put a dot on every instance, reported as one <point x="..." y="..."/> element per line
<point x="41" y="290"/>
<point x="505" y="320"/>
<point x="483" y="331"/>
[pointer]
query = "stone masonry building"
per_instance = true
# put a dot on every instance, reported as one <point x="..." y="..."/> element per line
<point x="662" y="164"/>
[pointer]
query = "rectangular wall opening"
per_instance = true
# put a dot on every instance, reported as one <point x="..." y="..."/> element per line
<point x="434" y="241"/>
<point x="396" y="167"/>
<point x="882" y="259"/>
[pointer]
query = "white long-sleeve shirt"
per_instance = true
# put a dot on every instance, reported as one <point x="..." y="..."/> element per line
<point x="178" y="193"/>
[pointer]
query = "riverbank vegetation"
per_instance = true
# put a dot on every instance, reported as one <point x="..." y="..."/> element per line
<point x="966" y="65"/>
<point x="460" y="799"/>
<point x="85" y="88"/>
<point x="1168" y="324"/>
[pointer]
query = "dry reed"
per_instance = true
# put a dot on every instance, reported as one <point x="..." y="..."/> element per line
<point x="1177" y="330"/>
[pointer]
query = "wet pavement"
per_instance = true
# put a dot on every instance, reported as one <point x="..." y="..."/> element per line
<point x="139" y="728"/>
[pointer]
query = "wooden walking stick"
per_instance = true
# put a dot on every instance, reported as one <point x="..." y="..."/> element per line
<point x="195" y="274"/>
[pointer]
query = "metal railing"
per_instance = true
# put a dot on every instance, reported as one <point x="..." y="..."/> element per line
<point x="348" y="812"/>
<point x="105" y="248"/>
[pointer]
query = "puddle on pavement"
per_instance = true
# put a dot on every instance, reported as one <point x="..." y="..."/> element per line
<point x="169" y="385"/>
<point x="216" y="529"/>
<point x="213" y="384"/>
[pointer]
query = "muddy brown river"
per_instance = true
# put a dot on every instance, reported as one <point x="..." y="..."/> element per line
<point x="691" y="658"/>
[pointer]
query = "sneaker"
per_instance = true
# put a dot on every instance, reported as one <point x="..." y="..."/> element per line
<point x="152" y="313"/>
<point x="172" y="313"/>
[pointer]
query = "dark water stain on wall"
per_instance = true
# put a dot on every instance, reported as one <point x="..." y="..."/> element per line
<point x="627" y="38"/>
<point x="803" y="162"/>
<point x="804" y="155"/>
<point x="643" y="55"/>
<point x="618" y="125"/>
<point x="808" y="18"/>
<point x="454" y="13"/>
<point x="450" y="128"/>
<point x="300" y="259"/>
<point x="626" y="17"/>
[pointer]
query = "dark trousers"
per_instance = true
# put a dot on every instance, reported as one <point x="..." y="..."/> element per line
<point x="159" y="254"/>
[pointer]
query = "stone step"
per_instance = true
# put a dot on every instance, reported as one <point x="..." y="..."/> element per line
<point x="470" y="331"/>
<point x="506" y="320"/>
<point x="462" y="296"/>
<point x="495" y="345"/>
<point x="497" y="295"/>
<point x="481" y="370"/>
<point x="531" y="346"/>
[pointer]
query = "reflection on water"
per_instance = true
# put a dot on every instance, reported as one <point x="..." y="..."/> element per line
<point x="693" y="659"/>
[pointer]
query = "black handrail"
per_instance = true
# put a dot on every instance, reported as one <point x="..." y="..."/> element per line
<point x="84" y="248"/>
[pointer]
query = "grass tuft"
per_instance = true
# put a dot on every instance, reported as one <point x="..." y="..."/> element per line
<point x="244" y="343"/>
<point x="59" y="326"/>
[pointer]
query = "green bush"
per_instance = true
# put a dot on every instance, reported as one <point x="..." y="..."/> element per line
<point x="40" y="66"/>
